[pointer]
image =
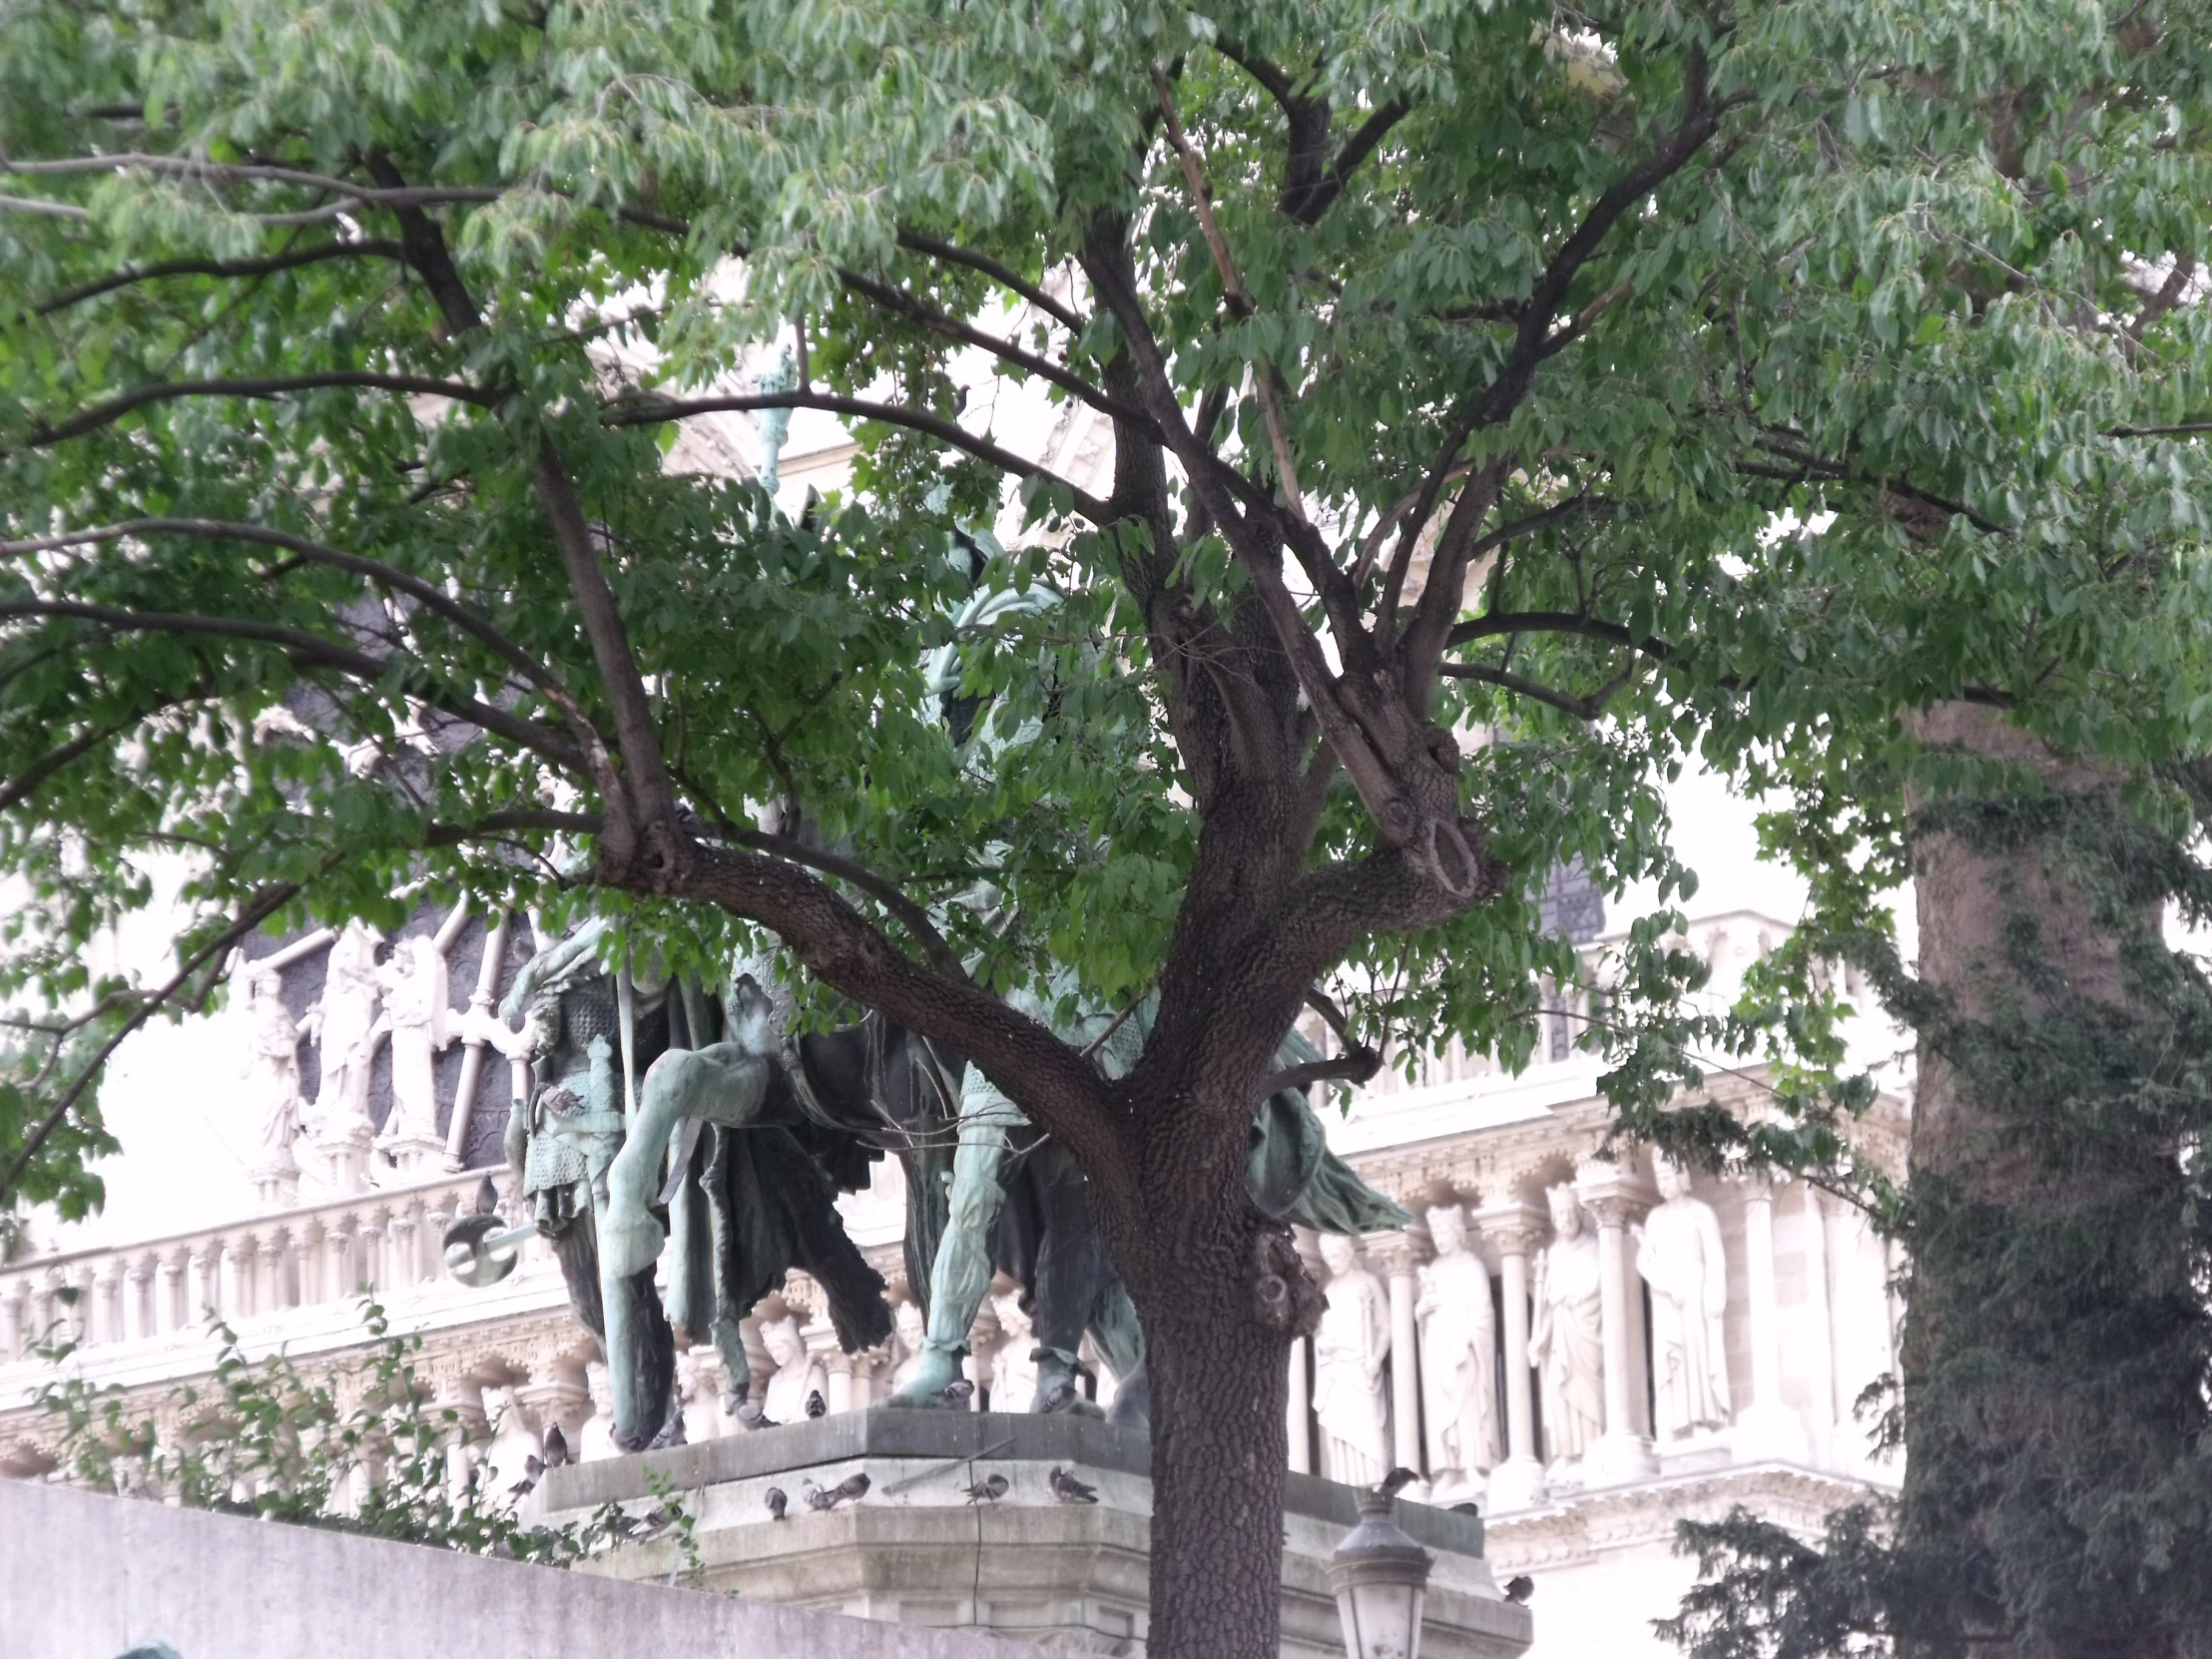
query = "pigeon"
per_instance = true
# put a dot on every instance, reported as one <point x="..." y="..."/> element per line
<point x="854" y="1486"/>
<point x="1396" y="1482"/>
<point x="777" y="1503"/>
<point x="1519" y="1588"/>
<point x="751" y="1415"/>
<point x="651" y="1524"/>
<point x="828" y="1497"/>
<point x="672" y="1433"/>
<point x="488" y="1198"/>
<point x="556" y="1447"/>
<point x="1068" y="1490"/>
<point x="816" y="1406"/>
<point x="957" y="1392"/>
<point x="531" y="1469"/>
<point x="987" y="1490"/>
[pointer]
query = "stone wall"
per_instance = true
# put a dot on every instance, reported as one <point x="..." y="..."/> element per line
<point x="88" y="1577"/>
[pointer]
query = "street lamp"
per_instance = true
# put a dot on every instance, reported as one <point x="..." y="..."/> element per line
<point x="1379" y="1577"/>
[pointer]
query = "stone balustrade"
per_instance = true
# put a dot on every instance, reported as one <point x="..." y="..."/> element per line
<point x="265" y="1274"/>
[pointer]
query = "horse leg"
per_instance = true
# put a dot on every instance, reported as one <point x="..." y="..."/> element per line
<point x="725" y="1332"/>
<point x="961" y="1274"/>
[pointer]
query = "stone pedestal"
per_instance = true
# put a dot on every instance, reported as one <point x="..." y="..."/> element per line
<point x="914" y="1552"/>
<point x="415" y="1159"/>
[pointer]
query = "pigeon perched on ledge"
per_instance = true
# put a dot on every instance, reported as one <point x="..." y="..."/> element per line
<point x="1519" y="1588"/>
<point x="818" y="1497"/>
<point x="531" y="1469"/>
<point x="987" y="1490"/>
<point x="556" y="1447"/>
<point x="1068" y="1490"/>
<point x="955" y="1394"/>
<point x="777" y="1503"/>
<point x="750" y="1414"/>
<point x="816" y="1406"/>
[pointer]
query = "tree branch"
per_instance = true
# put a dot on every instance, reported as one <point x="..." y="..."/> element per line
<point x="902" y="303"/>
<point x="220" y="267"/>
<point x="879" y="888"/>
<point x="425" y="593"/>
<point x="651" y="409"/>
<point x="305" y="650"/>
<point x="1358" y="147"/>
<point x="503" y="823"/>
<point x="915" y="243"/>
<point x="1581" y="708"/>
<point x="1354" y="1065"/>
<point x="105" y="414"/>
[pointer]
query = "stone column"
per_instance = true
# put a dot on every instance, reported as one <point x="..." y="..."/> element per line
<point x="563" y="1399"/>
<point x="170" y="1312"/>
<point x="137" y="1300"/>
<point x="369" y="1265"/>
<point x="235" y="1276"/>
<point x="106" y="1322"/>
<point x="1820" y="1342"/>
<point x="201" y="1293"/>
<point x="15" y="1303"/>
<point x="1766" y="1428"/>
<point x="1516" y="1229"/>
<point x="863" y="1375"/>
<point x="405" y="1257"/>
<point x="1402" y="1260"/>
<point x="839" y="1366"/>
<point x="1621" y="1453"/>
<point x="1299" y="1413"/>
<point x="276" y="1259"/>
<point x="338" y="1258"/>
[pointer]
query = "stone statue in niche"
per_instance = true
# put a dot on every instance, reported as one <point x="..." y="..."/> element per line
<point x="1350" y="1347"/>
<point x="598" y="1438"/>
<point x="421" y="1023"/>
<point x="1680" y="1257"/>
<point x="343" y="1025"/>
<point x="1458" y="1348"/>
<point x="1014" y="1366"/>
<point x="798" y="1374"/>
<point x="271" y="1073"/>
<point x="1566" y="1342"/>
<point x="911" y="1332"/>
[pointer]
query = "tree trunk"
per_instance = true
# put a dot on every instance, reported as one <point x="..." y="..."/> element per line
<point x="2054" y="1345"/>
<point x="1218" y="1382"/>
<point x="1222" y="1293"/>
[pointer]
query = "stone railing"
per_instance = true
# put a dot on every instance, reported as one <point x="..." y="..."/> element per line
<point x="301" y="1271"/>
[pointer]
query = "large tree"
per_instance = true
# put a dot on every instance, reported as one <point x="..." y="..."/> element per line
<point x="1458" y="362"/>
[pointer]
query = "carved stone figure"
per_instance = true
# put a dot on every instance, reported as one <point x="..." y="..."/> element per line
<point x="1680" y="1257"/>
<point x="911" y="1336"/>
<point x="1458" y="1355"/>
<point x="598" y="1438"/>
<point x="343" y="1024"/>
<point x="1566" y="1342"/>
<point x="421" y="1024"/>
<point x="1352" y="1342"/>
<point x="1014" y="1366"/>
<point x="271" y="1073"/>
<point x="798" y="1374"/>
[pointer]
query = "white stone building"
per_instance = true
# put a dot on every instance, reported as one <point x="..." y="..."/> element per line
<point x="1584" y="1367"/>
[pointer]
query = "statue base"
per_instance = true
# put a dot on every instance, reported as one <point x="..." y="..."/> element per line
<point x="341" y="1158"/>
<point x="277" y="1186"/>
<point x="415" y="1158"/>
<point x="1618" y="1460"/>
<point x="913" y="1550"/>
<point x="1516" y="1484"/>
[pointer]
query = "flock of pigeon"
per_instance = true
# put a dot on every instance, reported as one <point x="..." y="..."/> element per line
<point x="1065" y="1489"/>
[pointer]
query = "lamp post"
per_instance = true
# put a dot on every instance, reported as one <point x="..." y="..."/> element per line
<point x="1380" y="1578"/>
